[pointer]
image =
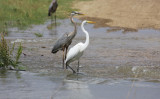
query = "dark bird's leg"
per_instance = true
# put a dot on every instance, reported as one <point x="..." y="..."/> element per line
<point x="71" y="68"/>
<point x="55" y="19"/>
<point x="78" y="67"/>
<point x="63" y="57"/>
<point x="51" y="19"/>
<point x="66" y="55"/>
<point x="66" y="52"/>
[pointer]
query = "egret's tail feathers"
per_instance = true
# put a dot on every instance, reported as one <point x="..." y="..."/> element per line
<point x="65" y="62"/>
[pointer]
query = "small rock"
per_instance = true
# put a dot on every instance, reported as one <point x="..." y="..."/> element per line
<point x="11" y="68"/>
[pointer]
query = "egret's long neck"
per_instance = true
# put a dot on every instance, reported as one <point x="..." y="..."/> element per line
<point x="75" y="28"/>
<point x="87" y="35"/>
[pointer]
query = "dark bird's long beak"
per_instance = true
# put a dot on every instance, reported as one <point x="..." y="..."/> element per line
<point x="80" y="14"/>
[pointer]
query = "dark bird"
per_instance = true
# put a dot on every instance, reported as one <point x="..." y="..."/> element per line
<point x="52" y="9"/>
<point x="77" y="51"/>
<point x="66" y="39"/>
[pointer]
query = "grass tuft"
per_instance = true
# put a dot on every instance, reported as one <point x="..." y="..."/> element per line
<point x="7" y="57"/>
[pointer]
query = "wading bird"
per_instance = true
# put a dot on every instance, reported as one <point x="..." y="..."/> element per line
<point x="52" y="9"/>
<point x="65" y="40"/>
<point x="77" y="51"/>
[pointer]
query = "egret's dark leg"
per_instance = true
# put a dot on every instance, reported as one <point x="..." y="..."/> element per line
<point x="66" y="55"/>
<point x="63" y="58"/>
<point x="78" y="67"/>
<point x="55" y="19"/>
<point x="71" y="68"/>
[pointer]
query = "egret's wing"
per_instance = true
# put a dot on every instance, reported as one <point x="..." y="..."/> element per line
<point x="63" y="40"/>
<point x="73" y="52"/>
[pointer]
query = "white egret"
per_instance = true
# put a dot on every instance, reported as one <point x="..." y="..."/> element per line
<point x="77" y="51"/>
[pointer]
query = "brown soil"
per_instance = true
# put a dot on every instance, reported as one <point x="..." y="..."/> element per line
<point x="134" y="14"/>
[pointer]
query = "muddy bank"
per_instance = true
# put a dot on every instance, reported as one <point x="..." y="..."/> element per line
<point x="135" y="14"/>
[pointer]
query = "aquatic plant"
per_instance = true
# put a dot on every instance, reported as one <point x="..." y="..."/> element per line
<point x="38" y="34"/>
<point x="7" y="57"/>
<point x="4" y="53"/>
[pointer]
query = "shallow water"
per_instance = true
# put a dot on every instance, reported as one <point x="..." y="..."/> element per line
<point x="116" y="65"/>
<point x="26" y="85"/>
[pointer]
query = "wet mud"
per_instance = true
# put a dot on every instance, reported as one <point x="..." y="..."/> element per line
<point x="109" y="48"/>
<point x="124" y="63"/>
<point x="100" y="22"/>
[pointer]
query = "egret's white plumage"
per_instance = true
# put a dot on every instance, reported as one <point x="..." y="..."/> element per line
<point x="74" y="53"/>
<point x="77" y="51"/>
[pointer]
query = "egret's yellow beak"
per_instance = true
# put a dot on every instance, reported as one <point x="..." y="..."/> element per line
<point x="91" y="22"/>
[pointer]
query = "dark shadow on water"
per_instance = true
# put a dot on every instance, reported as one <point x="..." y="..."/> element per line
<point x="3" y="73"/>
<point x="53" y="31"/>
<point x="124" y="30"/>
<point x="7" y="73"/>
<point x="76" y="76"/>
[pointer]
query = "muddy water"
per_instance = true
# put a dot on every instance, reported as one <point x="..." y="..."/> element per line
<point x="116" y="65"/>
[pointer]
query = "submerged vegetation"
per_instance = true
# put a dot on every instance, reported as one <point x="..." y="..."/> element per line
<point x="23" y="13"/>
<point x="38" y="34"/>
<point x="7" y="56"/>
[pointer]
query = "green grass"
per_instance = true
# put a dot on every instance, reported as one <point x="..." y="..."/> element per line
<point x="23" y="13"/>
